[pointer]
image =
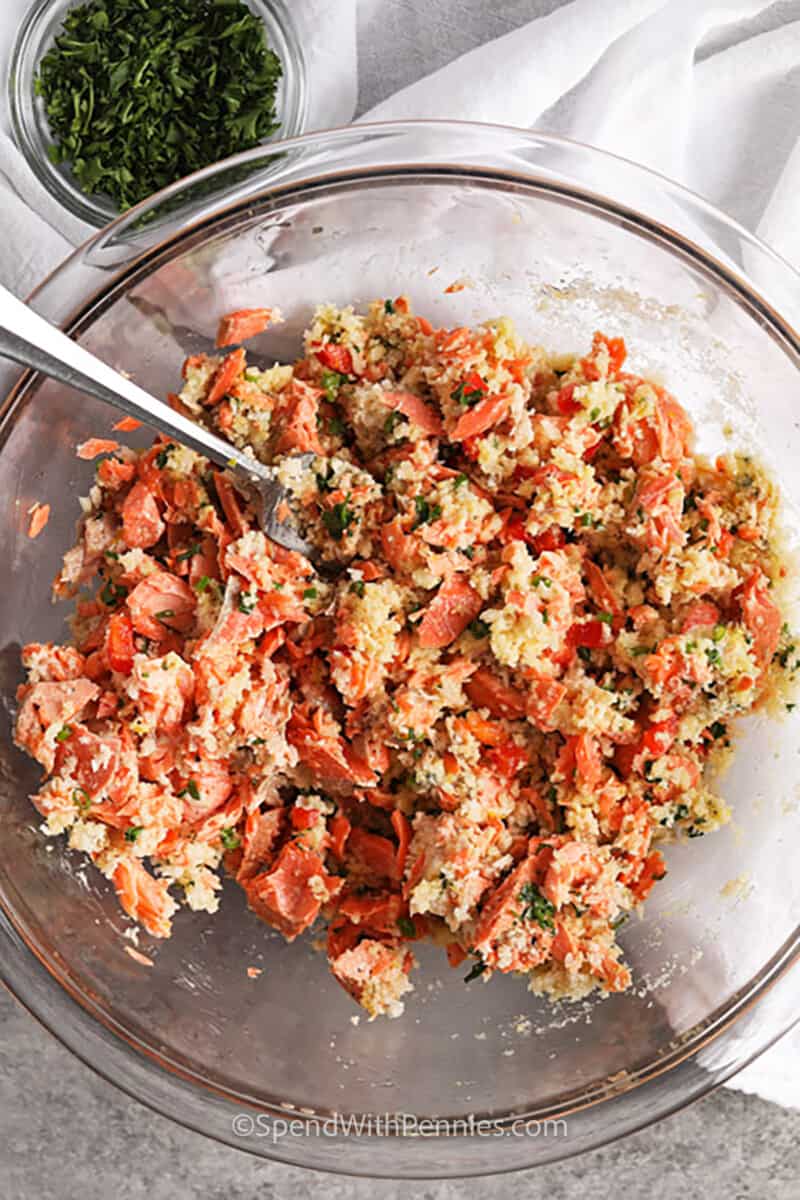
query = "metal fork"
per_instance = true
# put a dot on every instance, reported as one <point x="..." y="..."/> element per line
<point x="31" y="341"/>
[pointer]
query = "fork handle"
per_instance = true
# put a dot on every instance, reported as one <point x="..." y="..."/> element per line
<point x="33" y="342"/>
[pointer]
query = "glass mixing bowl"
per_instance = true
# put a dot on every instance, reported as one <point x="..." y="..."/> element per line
<point x="565" y="240"/>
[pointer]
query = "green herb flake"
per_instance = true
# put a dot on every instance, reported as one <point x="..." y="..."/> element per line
<point x="478" y="628"/>
<point x="64" y="733"/>
<point x="606" y="617"/>
<point x="191" y="789"/>
<point x="111" y="593"/>
<point x="229" y="838"/>
<point x="140" y="93"/>
<point x="82" y="798"/>
<point x="407" y="927"/>
<point x="466" y="395"/>
<point x="357" y="587"/>
<point x="310" y="593"/>
<point x="475" y="971"/>
<point x="163" y="456"/>
<point x="536" y="907"/>
<point x="460" y="480"/>
<point x="717" y="729"/>
<point x="202" y="583"/>
<point x="388" y="306"/>
<point x="188" y="553"/>
<point x="132" y="834"/>
<point x="331" y="382"/>
<point x="425" y="512"/>
<point x="164" y="614"/>
<point x="337" y="520"/>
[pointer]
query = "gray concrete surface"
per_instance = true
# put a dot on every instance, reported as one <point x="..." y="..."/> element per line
<point x="64" y="1134"/>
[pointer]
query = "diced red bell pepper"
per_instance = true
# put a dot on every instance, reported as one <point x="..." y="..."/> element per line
<point x="119" y="643"/>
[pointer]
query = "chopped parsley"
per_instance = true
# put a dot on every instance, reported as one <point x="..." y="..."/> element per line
<point x="388" y="306"/>
<point x="475" y="971"/>
<point x="337" y="520"/>
<point x="460" y="480"/>
<point x="133" y="832"/>
<point x="357" y="587"/>
<point x="64" y="733"/>
<point x="202" y="583"/>
<point x="478" y="628"/>
<point x="82" y="798"/>
<point x="467" y="393"/>
<point x="536" y="907"/>
<point x="189" y="553"/>
<point x="191" y="789"/>
<point x="112" y="593"/>
<point x="246" y="603"/>
<point x="606" y="617"/>
<point x="407" y="927"/>
<point x="162" y="457"/>
<point x="425" y="512"/>
<point x="310" y="593"/>
<point x="164" y="614"/>
<point x="140" y="93"/>
<point x="331" y="382"/>
<point x="229" y="838"/>
<point x="717" y="729"/>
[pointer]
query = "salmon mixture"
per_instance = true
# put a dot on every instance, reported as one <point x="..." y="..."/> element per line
<point x="549" y="616"/>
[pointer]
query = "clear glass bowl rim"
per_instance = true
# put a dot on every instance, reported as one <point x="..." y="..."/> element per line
<point x="42" y="987"/>
<point x="23" y="122"/>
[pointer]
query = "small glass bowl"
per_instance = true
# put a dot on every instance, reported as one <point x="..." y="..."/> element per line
<point x="29" y="120"/>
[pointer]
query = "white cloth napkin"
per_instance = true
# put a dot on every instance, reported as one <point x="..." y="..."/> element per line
<point x="707" y="93"/>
